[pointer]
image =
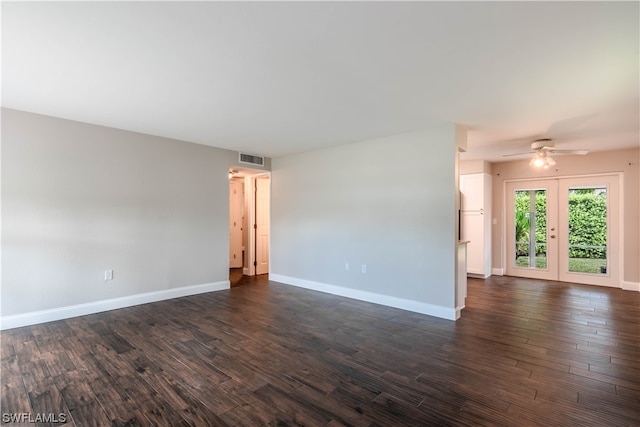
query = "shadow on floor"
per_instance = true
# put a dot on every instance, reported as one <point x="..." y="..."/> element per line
<point x="238" y="279"/>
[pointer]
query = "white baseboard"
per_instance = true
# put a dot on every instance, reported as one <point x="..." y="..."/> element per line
<point x="497" y="271"/>
<point x="404" y="304"/>
<point x="478" y="276"/>
<point x="35" y="317"/>
<point x="630" y="286"/>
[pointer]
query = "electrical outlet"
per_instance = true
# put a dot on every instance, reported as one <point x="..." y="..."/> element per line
<point x="108" y="275"/>
<point x="364" y="268"/>
<point x="346" y="266"/>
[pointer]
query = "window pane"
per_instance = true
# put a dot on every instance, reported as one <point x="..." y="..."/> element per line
<point x="588" y="230"/>
<point x="531" y="228"/>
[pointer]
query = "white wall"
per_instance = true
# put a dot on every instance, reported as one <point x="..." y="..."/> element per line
<point x="388" y="203"/>
<point x="474" y="166"/>
<point x="78" y="199"/>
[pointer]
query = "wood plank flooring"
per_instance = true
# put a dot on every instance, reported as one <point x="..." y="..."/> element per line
<point x="524" y="353"/>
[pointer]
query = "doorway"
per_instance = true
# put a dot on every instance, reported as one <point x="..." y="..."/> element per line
<point x="249" y="225"/>
<point x="564" y="229"/>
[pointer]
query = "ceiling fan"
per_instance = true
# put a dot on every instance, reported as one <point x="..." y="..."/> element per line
<point x="543" y="148"/>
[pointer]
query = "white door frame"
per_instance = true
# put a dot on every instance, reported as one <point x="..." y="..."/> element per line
<point x="617" y="221"/>
<point x="250" y="187"/>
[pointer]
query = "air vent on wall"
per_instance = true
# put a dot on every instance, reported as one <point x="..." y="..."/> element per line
<point x="251" y="159"/>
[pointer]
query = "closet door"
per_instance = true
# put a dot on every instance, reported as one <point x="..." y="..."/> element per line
<point x="235" y="224"/>
<point x="262" y="225"/>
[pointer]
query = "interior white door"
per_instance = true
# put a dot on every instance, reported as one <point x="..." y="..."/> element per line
<point x="235" y="224"/>
<point x="532" y="229"/>
<point x="262" y="225"/>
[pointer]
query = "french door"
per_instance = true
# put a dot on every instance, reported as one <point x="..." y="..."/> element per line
<point x="532" y="229"/>
<point x="564" y="229"/>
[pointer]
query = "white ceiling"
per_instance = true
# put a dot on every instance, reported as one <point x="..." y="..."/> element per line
<point x="279" y="78"/>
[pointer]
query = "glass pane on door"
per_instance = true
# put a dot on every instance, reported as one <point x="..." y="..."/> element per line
<point x="531" y="228"/>
<point x="587" y="230"/>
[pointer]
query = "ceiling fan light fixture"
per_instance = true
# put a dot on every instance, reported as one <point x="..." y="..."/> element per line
<point x="542" y="160"/>
<point x="538" y="160"/>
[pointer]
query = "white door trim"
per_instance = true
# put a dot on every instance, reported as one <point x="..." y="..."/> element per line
<point x="250" y="204"/>
<point x="249" y="195"/>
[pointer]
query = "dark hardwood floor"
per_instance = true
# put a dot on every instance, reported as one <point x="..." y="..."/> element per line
<point x="524" y="353"/>
<point x="236" y="278"/>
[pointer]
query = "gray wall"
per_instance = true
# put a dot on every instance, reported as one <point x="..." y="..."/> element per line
<point x="78" y="199"/>
<point x="388" y="203"/>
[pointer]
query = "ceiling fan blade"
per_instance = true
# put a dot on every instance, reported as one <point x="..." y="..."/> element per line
<point x="578" y="152"/>
<point x="526" y="153"/>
